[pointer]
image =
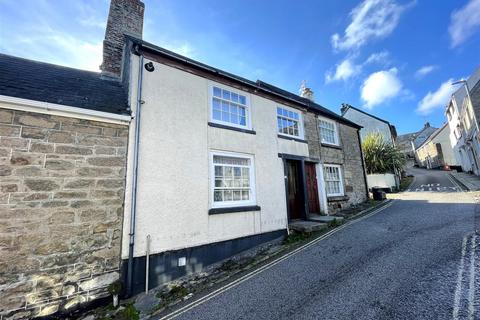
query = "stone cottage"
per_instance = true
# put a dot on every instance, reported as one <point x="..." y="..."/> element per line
<point x="63" y="143"/>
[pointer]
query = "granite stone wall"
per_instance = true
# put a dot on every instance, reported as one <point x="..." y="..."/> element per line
<point x="61" y="209"/>
<point x="348" y="155"/>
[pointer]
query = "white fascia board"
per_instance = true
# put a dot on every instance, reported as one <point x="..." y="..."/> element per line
<point x="7" y="102"/>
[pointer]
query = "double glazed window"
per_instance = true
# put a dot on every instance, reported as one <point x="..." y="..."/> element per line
<point x="289" y="122"/>
<point x="233" y="179"/>
<point x="229" y="108"/>
<point x="328" y="132"/>
<point x="333" y="180"/>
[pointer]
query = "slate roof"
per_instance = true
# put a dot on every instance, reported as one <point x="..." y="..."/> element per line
<point x="258" y="85"/>
<point x="28" y="79"/>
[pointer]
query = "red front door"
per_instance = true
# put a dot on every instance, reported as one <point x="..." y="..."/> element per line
<point x="312" y="188"/>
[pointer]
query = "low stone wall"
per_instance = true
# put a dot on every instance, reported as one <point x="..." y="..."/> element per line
<point x="61" y="208"/>
<point x="387" y="181"/>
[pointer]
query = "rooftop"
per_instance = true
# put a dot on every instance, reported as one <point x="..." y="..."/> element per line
<point x="33" y="80"/>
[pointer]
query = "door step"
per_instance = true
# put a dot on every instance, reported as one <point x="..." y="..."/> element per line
<point x="324" y="219"/>
<point x="307" y="226"/>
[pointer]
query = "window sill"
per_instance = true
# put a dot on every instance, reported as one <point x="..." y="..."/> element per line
<point x="337" y="198"/>
<point x="291" y="138"/>
<point x="233" y="209"/>
<point x="334" y="146"/>
<point x="222" y="126"/>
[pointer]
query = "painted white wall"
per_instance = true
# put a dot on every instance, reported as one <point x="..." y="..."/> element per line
<point x="369" y="124"/>
<point x="386" y="180"/>
<point x="173" y="178"/>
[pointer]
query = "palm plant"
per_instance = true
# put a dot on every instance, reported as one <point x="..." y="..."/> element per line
<point x="380" y="156"/>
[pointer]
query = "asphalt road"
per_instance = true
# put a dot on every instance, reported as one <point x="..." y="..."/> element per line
<point x="415" y="259"/>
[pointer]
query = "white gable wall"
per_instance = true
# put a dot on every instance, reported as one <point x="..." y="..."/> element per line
<point x="369" y="124"/>
<point x="173" y="179"/>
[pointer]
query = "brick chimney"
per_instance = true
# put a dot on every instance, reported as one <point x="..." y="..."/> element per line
<point x="306" y="92"/>
<point x="124" y="17"/>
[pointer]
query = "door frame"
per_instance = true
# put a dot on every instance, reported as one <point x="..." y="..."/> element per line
<point x="322" y="196"/>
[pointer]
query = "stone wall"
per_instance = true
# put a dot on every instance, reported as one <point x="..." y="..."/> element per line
<point x="348" y="155"/>
<point x="61" y="210"/>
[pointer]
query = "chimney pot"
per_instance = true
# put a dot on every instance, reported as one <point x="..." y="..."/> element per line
<point x="306" y="92"/>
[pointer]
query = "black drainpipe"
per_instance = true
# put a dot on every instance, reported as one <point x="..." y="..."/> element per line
<point x="363" y="163"/>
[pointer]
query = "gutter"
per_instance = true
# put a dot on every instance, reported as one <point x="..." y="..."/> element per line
<point x="8" y="102"/>
<point x="133" y="207"/>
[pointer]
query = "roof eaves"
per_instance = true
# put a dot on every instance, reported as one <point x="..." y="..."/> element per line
<point x="255" y="85"/>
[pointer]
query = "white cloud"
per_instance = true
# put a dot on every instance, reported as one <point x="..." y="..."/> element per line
<point x="381" y="57"/>
<point x="343" y="71"/>
<point x="380" y="86"/>
<point x="464" y="22"/>
<point x="371" y="19"/>
<point x="438" y="99"/>
<point x="423" y="71"/>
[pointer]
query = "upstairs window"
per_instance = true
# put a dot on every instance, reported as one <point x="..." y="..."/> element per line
<point x="333" y="180"/>
<point x="328" y="132"/>
<point x="233" y="180"/>
<point x="289" y="122"/>
<point x="230" y="108"/>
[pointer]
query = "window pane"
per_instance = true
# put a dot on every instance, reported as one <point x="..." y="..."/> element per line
<point x="216" y="104"/>
<point x="243" y="100"/>
<point x="233" y="109"/>
<point x="245" y="195"/>
<point x="217" y="92"/>
<point x="279" y="111"/>
<point x="227" y="195"/>
<point x="241" y="111"/>
<point x="243" y="121"/>
<point x="218" y="171"/>
<point x="217" y="196"/>
<point x="234" y="118"/>
<point x="225" y="116"/>
<point x="225" y="107"/>
<point x="226" y="94"/>
<point x="217" y="115"/>
<point x="237" y="195"/>
<point x="234" y="97"/>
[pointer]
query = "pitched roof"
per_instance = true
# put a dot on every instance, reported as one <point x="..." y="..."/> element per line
<point x="258" y="85"/>
<point x="432" y="135"/>
<point x="33" y="80"/>
<point x="366" y="113"/>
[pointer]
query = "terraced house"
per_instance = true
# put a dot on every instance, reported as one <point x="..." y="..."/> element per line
<point x="157" y="154"/>
<point x="218" y="163"/>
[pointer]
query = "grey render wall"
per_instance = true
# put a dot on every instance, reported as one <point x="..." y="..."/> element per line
<point x="369" y="124"/>
<point x="61" y="209"/>
<point x="348" y="155"/>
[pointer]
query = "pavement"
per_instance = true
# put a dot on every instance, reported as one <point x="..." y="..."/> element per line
<point x="470" y="181"/>
<point x="418" y="258"/>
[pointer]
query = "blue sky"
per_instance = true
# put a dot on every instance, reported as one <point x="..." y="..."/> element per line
<point x="395" y="59"/>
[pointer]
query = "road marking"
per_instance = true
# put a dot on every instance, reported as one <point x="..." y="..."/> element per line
<point x="457" y="186"/>
<point x="458" y="289"/>
<point x="471" y="291"/>
<point x="269" y="265"/>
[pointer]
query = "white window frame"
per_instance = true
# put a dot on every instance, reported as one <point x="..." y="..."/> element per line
<point x="248" y="111"/>
<point x="301" y="134"/>
<point x="227" y="204"/>
<point x="336" y="135"/>
<point x="340" y="173"/>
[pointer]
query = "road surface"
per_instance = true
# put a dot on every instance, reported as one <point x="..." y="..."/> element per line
<point x="415" y="259"/>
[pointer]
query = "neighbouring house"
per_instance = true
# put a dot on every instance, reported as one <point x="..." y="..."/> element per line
<point x="370" y="123"/>
<point x="63" y="143"/>
<point x="436" y="151"/>
<point x="409" y="142"/>
<point x="218" y="163"/>
<point x="463" y="111"/>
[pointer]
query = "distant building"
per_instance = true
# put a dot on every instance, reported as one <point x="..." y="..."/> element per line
<point x="436" y="151"/>
<point x="370" y="123"/>
<point x="462" y="113"/>
<point x="409" y="142"/>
